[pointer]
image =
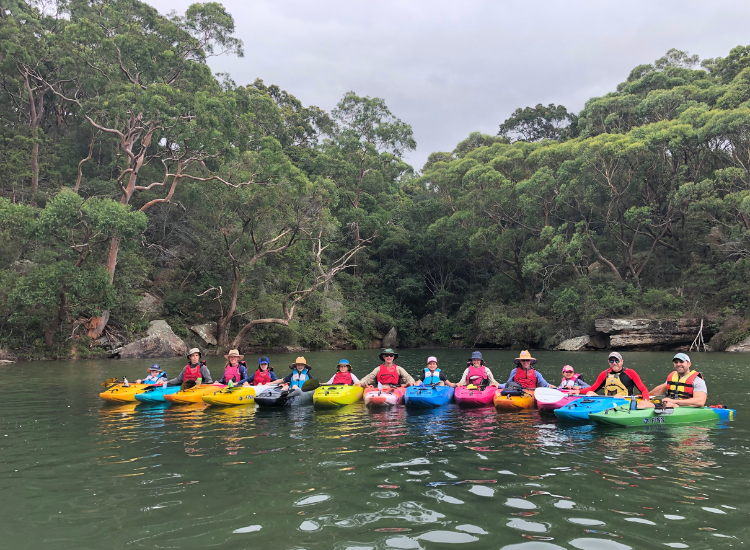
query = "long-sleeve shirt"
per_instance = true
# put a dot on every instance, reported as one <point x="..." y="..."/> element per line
<point x="250" y="378"/>
<point x="628" y="377"/>
<point x="243" y="375"/>
<point x="403" y="377"/>
<point x="159" y="378"/>
<point x="205" y="377"/>
<point x="487" y="371"/>
<point x="540" y="381"/>
<point x="579" y="383"/>
<point x="355" y="380"/>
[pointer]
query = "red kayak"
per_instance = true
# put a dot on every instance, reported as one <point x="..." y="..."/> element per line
<point x="473" y="396"/>
<point x="386" y="397"/>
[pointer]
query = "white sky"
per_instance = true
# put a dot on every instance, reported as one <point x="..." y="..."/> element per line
<point x="451" y="68"/>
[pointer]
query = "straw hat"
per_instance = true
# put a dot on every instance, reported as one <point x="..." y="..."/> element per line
<point x="300" y="361"/>
<point x="191" y="351"/>
<point x="524" y="356"/>
<point x="234" y="353"/>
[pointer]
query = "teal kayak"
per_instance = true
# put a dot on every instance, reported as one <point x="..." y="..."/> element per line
<point x="580" y="409"/>
<point x="623" y="416"/>
<point x="156" y="394"/>
<point x="428" y="396"/>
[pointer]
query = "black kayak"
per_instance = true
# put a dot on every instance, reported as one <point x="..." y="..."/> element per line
<point x="279" y="397"/>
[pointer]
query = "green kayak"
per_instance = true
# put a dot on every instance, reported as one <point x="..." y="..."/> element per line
<point x="623" y="416"/>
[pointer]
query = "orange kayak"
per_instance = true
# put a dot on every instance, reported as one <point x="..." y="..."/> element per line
<point x="515" y="402"/>
<point x="123" y="394"/>
<point x="386" y="397"/>
<point x="192" y="395"/>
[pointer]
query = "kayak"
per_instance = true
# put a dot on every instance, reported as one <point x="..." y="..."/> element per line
<point x="155" y="394"/>
<point x="514" y="401"/>
<point x="579" y="409"/>
<point x="192" y="395"/>
<point x="386" y="397"/>
<point x="276" y="396"/>
<point x="472" y="396"/>
<point x="549" y="399"/>
<point x="238" y="395"/>
<point x="623" y="416"/>
<point x="335" y="396"/>
<point x="428" y="396"/>
<point x="122" y="394"/>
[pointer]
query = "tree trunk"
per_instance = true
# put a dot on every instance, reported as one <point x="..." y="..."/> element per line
<point x="49" y="334"/>
<point x="34" y="165"/>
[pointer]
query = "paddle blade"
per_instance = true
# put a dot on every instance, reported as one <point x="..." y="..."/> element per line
<point x="548" y="395"/>
<point x="187" y="385"/>
<point x="109" y="382"/>
<point x="310" y="385"/>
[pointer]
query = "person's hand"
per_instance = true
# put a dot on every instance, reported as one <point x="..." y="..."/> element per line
<point x="669" y="403"/>
<point x="358" y="384"/>
<point x="245" y="385"/>
<point x="553" y="387"/>
<point x="574" y="391"/>
<point x="497" y="385"/>
<point x="138" y="381"/>
<point x="164" y="384"/>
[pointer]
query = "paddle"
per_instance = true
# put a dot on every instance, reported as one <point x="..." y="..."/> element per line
<point x="310" y="385"/>
<point x="549" y="395"/>
<point x="187" y="385"/>
<point x="109" y="382"/>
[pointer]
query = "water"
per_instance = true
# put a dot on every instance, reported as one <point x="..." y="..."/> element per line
<point x="80" y="473"/>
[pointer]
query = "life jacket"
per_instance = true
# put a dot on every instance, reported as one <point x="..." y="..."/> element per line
<point x="299" y="378"/>
<point x="261" y="377"/>
<point x="343" y="378"/>
<point x="616" y="385"/>
<point x="570" y="383"/>
<point x="193" y="372"/>
<point x="430" y="378"/>
<point x="233" y="373"/>
<point x="154" y="379"/>
<point x="525" y="377"/>
<point x="681" y="387"/>
<point x="474" y="373"/>
<point x="388" y="375"/>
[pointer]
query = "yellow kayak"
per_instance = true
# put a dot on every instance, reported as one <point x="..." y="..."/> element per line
<point x="123" y="394"/>
<point x="515" y="402"/>
<point x="334" y="396"/>
<point x="192" y="395"/>
<point x="234" y="396"/>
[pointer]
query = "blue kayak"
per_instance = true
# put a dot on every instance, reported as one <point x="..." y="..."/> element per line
<point x="156" y="394"/>
<point x="579" y="410"/>
<point x="428" y="396"/>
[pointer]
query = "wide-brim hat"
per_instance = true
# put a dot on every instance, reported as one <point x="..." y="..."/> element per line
<point x="476" y="355"/>
<point x="234" y="353"/>
<point x="389" y="351"/>
<point x="300" y="361"/>
<point x="191" y="351"/>
<point x="524" y="356"/>
<point x="345" y="363"/>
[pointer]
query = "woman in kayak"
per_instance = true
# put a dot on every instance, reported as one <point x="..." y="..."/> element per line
<point x="264" y="374"/>
<point x="196" y="371"/>
<point x="616" y="380"/>
<point x="299" y="375"/>
<point x="524" y="375"/>
<point x="431" y="376"/>
<point x="571" y="380"/>
<point x="388" y="373"/>
<point x="344" y="375"/>
<point x="155" y="375"/>
<point x="683" y="388"/>
<point x="477" y="372"/>
<point x="236" y="370"/>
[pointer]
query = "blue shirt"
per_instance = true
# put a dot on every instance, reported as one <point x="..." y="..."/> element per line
<point x="540" y="381"/>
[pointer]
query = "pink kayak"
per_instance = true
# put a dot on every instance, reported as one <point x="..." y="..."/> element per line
<point x="549" y="399"/>
<point x="472" y="396"/>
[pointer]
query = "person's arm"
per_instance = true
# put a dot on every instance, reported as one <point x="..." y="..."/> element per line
<point x="540" y="381"/>
<point x="370" y="378"/>
<point x="490" y="377"/>
<point x="581" y="384"/>
<point x="639" y="384"/>
<point x="355" y="380"/>
<point x="700" y="394"/>
<point x="177" y="381"/>
<point x="205" y="375"/>
<point x="598" y="383"/>
<point x="444" y="378"/>
<point x="405" y="376"/>
<point x="661" y="389"/>
<point x="330" y="380"/>
<point x="275" y="380"/>
<point x="462" y="382"/>
<point x="511" y="377"/>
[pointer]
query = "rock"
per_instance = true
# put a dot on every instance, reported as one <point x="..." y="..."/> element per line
<point x="582" y="343"/>
<point x="23" y="267"/>
<point x="651" y="333"/>
<point x="149" y="305"/>
<point x="742" y="347"/>
<point x="391" y="339"/>
<point x="159" y="342"/>
<point x="207" y="332"/>
<point x="5" y="355"/>
<point x="6" y="362"/>
<point x="375" y="344"/>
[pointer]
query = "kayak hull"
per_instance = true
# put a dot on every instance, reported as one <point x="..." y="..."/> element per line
<point x="335" y="396"/>
<point x="474" y="397"/>
<point x="192" y="395"/>
<point x="622" y="416"/>
<point x="123" y="394"/>
<point x="229" y="397"/>
<point x="515" y="402"/>
<point x="386" y="397"/>
<point x="156" y="394"/>
<point x="548" y="399"/>
<point x="276" y="396"/>
<point x="428" y="396"/>
<point x="579" y="409"/>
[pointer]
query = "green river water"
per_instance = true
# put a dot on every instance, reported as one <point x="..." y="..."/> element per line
<point x="79" y="473"/>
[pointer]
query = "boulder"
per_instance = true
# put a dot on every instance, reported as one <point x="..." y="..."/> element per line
<point x="581" y="343"/>
<point x="207" y="332"/>
<point x="159" y="342"/>
<point x="7" y="356"/>
<point x="149" y="305"/>
<point x="742" y="347"/>
<point x="375" y="344"/>
<point x="391" y="339"/>
<point x="652" y="334"/>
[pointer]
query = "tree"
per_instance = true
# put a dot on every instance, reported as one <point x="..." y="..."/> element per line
<point x="538" y="123"/>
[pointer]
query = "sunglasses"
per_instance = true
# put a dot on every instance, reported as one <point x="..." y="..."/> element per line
<point x="614" y="360"/>
<point x="388" y="355"/>
<point x="676" y="361"/>
<point x="568" y="372"/>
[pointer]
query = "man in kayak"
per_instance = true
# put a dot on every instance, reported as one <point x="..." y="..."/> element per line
<point x="432" y="375"/>
<point x="196" y="370"/>
<point x="571" y="380"/>
<point x="388" y="373"/>
<point x="477" y="372"/>
<point x="299" y="375"/>
<point x="683" y="388"/>
<point x="264" y="374"/>
<point x="155" y="375"/>
<point x="616" y="380"/>
<point x="344" y="376"/>
<point x="236" y="369"/>
<point x="524" y="375"/>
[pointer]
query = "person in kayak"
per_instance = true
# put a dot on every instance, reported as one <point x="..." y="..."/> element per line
<point x="431" y="376"/>
<point x="524" y="375"/>
<point x="264" y="374"/>
<point x="196" y="370"/>
<point x="570" y="379"/>
<point x="236" y="370"/>
<point x="388" y="373"/>
<point x="299" y="375"/>
<point x="683" y="388"/>
<point x="155" y="375"/>
<point x="344" y="376"/>
<point x="616" y="380"/>
<point x="477" y="372"/>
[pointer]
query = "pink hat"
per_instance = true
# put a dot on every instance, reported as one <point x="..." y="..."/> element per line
<point x="568" y="367"/>
<point x="431" y="358"/>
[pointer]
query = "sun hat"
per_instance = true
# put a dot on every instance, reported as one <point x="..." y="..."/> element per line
<point x="300" y="361"/>
<point x="476" y="355"/>
<point x="566" y="367"/>
<point x="682" y="357"/>
<point x="155" y="366"/>
<point x="432" y="358"/>
<point x="191" y="351"/>
<point x="234" y="353"/>
<point x="389" y="351"/>
<point x="524" y="356"/>
<point x="345" y="363"/>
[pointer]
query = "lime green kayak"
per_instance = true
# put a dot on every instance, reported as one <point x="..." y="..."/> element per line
<point x="623" y="416"/>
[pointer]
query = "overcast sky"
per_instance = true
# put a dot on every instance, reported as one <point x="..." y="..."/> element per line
<point x="451" y="68"/>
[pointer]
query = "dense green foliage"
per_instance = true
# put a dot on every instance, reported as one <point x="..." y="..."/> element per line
<point x="127" y="168"/>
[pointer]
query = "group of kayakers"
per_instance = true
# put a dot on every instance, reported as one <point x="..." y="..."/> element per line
<point x="683" y="386"/>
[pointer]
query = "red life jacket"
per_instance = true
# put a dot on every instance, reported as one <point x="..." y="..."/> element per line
<point x="681" y="390"/>
<point x="343" y="378"/>
<point x="569" y="382"/>
<point x="388" y="375"/>
<point x="192" y="372"/>
<point x="231" y="373"/>
<point x="476" y="372"/>
<point x="261" y="377"/>
<point x="527" y="378"/>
